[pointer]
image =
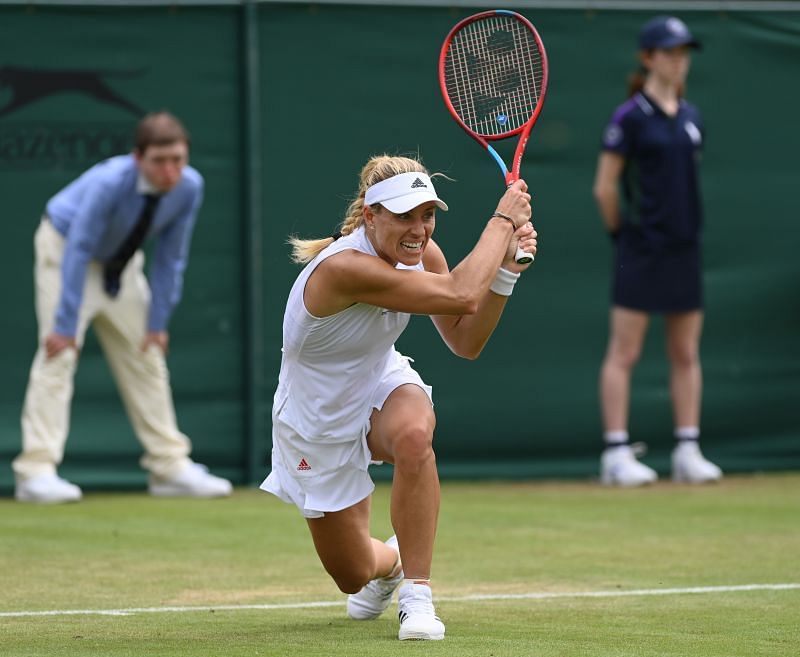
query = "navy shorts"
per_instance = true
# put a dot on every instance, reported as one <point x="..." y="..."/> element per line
<point x="656" y="280"/>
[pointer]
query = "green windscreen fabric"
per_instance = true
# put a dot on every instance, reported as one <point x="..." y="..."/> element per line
<point x="528" y="406"/>
<point x="82" y="78"/>
<point x="339" y="83"/>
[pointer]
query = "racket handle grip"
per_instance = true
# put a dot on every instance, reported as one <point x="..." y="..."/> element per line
<point x="523" y="257"/>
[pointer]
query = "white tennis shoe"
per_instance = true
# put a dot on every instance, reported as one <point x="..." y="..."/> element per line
<point x="690" y="466"/>
<point x="372" y="600"/>
<point x="418" y="619"/>
<point x="193" y="481"/>
<point x="619" y="467"/>
<point x="47" y="489"/>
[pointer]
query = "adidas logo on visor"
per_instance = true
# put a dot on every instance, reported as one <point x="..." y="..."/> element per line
<point x="403" y="192"/>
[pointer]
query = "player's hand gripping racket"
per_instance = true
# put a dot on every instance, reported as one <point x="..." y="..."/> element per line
<point x="493" y="75"/>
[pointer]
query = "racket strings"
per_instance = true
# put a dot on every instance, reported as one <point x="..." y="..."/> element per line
<point x="494" y="74"/>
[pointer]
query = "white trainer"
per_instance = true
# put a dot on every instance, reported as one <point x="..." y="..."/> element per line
<point x="47" y="489"/>
<point x="371" y="601"/>
<point x="690" y="466"/>
<point x="418" y="619"/>
<point x="619" y="467"/>
<point x="193" y="481"/>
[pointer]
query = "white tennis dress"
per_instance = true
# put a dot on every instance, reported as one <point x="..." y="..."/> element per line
<point x="334" y="371"/>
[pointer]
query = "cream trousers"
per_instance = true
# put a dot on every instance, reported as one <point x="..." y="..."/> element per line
<point x="141" y="376"/>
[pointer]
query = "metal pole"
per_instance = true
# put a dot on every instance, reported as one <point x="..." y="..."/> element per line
<point x="255" y="424"/>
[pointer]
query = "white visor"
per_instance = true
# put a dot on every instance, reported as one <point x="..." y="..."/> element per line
<point x="403" y="192"/>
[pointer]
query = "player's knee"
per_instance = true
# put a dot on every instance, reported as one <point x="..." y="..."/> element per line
<point x="414" y="446"/>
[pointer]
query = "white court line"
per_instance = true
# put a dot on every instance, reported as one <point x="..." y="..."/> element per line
<point x="462" y="598"/>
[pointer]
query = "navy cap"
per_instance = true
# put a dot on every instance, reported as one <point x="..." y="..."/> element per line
<point x="665" y="32"/>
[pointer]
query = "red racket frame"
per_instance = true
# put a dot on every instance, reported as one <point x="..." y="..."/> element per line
<point x="525" y="129"/>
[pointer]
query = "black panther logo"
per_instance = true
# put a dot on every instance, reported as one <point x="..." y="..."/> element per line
<point x="29" y="85"/>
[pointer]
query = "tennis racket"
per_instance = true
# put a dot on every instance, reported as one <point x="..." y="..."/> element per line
<point x="493" y="76"/>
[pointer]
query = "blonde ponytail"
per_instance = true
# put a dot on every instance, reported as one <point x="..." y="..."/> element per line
<point x="377" y="168"/>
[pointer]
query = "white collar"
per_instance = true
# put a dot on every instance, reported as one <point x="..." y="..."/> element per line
<point x="144" y="186"/>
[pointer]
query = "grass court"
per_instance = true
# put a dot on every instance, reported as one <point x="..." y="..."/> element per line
<point x="545" y="569"/>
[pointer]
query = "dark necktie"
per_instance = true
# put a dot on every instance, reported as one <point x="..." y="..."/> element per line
<point x="116" y="264"/>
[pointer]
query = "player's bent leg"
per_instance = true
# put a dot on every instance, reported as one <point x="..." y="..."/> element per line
<point x="402" y="433"/>
<point x="376" y="596"/>
<point x="418" y="619"/>
<point x="347" y="552"/>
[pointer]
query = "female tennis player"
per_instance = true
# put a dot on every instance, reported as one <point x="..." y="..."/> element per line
<point x="652" y="146"/>
<point x="346" y="397"/>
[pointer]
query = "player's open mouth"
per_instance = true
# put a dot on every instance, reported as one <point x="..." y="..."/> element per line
<point x="411" y="246"/>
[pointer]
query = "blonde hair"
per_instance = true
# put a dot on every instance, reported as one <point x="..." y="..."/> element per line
<point x="377" y="168"/>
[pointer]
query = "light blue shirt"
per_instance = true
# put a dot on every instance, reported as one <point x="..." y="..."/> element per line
<point x="98" y="210"/>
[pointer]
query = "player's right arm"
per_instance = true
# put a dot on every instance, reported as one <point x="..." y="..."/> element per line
<point x="353" y="277"/>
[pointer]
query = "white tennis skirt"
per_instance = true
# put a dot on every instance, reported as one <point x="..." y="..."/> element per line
<point x="320" y="477"/>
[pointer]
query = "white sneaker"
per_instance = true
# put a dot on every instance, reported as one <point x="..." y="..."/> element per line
<point x="619" y="467"/>
<point x="690" y="466"/>
<point x="418" y="619"/>
<point x="47" y="489"/>
<point x="193" y="481"/>
<point x="371" y="601"/>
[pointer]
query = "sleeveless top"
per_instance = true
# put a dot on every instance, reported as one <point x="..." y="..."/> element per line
<point x="331" y="365"/>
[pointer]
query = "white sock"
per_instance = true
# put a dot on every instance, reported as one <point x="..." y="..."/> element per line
<point x="687" y="433"/>
<point x="615" y="438"/>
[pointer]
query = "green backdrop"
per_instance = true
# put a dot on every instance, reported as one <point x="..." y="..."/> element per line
<point x="285" y="101"/>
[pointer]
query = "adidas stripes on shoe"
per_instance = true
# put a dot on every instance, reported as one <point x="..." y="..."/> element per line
<point x="418" y="619"/>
